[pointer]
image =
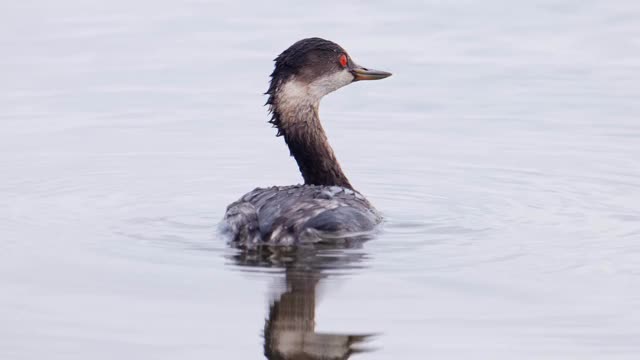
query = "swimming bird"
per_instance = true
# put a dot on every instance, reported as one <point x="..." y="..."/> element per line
<point x="326" y="207"/>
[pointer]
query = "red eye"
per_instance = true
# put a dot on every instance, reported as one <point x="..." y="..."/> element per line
<point x="343" y="60"/>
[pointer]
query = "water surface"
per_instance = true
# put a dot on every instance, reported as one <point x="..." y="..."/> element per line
<point x="503" y="152"/>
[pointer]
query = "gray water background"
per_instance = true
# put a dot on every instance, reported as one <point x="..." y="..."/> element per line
<point x="504" y="153"/>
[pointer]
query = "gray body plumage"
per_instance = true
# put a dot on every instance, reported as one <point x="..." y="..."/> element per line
<point x="288" y="215"/>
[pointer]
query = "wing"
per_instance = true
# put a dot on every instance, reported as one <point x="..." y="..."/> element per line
<point x="300" y="213"/>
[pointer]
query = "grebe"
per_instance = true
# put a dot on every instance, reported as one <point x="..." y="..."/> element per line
<point x="326" y="207"/>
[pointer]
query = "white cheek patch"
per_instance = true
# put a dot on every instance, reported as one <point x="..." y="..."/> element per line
<point x="326" y="84"/>
<point x="297" y="100"/>
<point x="294" y="91"/>
<point x="294" y="101"/>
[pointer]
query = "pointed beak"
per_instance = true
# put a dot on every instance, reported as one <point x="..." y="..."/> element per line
<point x="362" y="73"/>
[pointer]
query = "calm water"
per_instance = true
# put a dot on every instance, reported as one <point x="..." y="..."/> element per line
<point x="504" y="153"/>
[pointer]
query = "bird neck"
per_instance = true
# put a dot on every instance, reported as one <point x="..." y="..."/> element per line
<point x="295" y="114"/>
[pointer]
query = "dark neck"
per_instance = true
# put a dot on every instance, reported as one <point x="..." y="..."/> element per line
<point x="300" y="126"/>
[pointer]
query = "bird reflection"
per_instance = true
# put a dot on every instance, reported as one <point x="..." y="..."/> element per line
<point x="289" y="330"/>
